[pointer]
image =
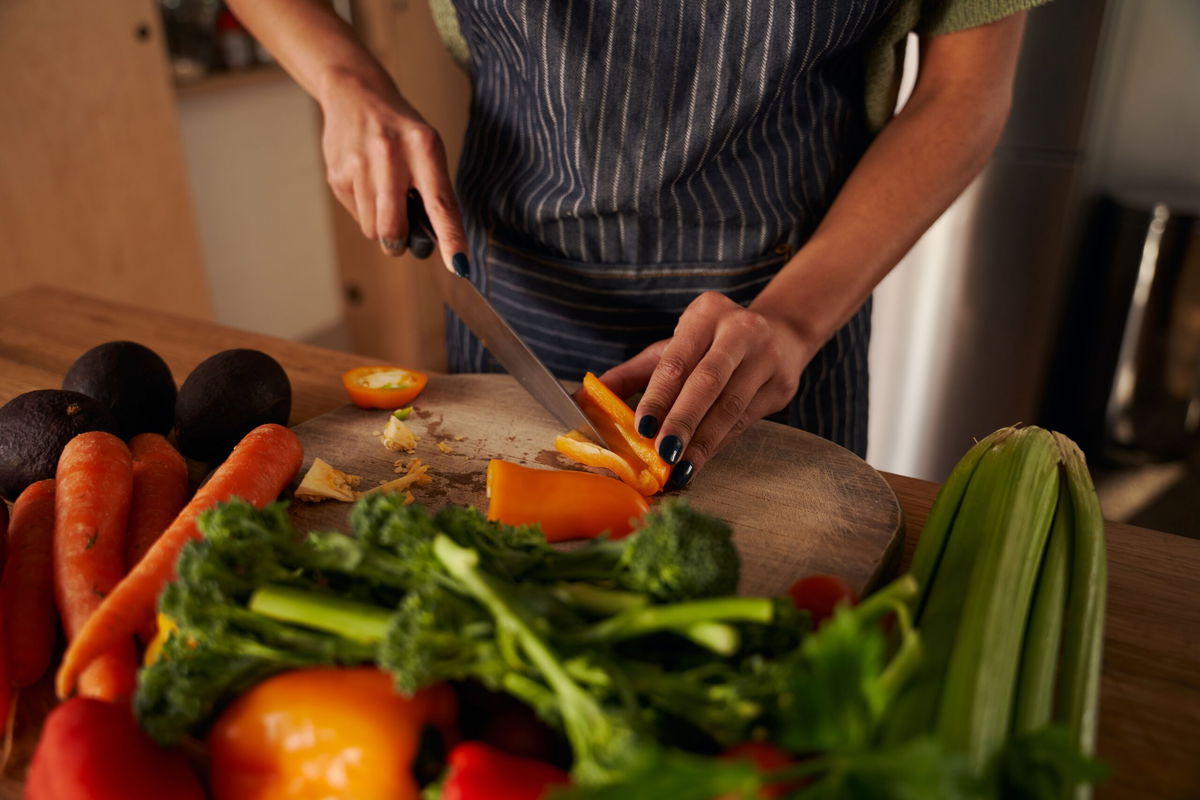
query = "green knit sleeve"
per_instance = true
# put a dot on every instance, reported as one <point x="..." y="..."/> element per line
<point x="446" y="20"/>
<point x="948" y="16"/>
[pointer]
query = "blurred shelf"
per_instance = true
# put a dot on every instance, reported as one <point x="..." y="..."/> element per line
<point x="236" y="79"/>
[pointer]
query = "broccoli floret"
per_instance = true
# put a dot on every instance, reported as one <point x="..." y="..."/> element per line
<point x="677" y="554"/>
<point x="438" y="635"/>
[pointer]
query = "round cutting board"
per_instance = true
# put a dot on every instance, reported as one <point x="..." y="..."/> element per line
<point x="798" y="504"/>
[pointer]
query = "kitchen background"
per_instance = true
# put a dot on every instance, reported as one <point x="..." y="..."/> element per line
<point x="1063" y="288"/>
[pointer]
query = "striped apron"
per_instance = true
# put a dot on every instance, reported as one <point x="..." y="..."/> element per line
<point x="624" y="156"/>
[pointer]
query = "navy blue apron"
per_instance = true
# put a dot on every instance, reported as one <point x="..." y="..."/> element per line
<point x="624" y="156"/>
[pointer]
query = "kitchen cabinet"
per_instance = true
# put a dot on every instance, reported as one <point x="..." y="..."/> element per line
<point x="93" y="187"/>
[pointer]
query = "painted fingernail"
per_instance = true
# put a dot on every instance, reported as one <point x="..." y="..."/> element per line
<point x="648" y="425"/>
<point x="462" y="267"/>
<point x="670" y="449"/>
<point x="681" y="476"/>
<point x="392" y="246"/>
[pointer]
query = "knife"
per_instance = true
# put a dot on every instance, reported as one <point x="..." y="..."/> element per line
<point x="497" y="335"/>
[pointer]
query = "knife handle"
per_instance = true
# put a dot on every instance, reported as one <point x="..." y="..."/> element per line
<point x="421" y="237"/>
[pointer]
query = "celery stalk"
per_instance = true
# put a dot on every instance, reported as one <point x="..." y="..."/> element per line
<point x="1009" y="509"/>
<point x="1083" y="625"/>
<point x="936" y="531"/>
<point x="948" y="560"/>
<point x="1043" y="635"/>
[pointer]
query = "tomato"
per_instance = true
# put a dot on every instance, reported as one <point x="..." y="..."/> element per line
<point x="819" y="595"/>
<point x="766" y="757"/>
<point x="383" y="386"/>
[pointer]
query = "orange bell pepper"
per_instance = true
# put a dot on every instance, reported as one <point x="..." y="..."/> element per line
<point x="643" y="468"/>
<point x="383" y="387"/>
<point x="324" y="733"/>
<point x="567" y="504"/>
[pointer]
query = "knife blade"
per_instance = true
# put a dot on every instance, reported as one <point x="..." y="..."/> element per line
<point x="501" y="340"/>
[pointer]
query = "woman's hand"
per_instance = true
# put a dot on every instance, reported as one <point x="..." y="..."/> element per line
<point x="377" y="147"/>
<point x="725" y="367"/>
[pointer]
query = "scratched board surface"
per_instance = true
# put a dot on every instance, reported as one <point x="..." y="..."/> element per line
<point x="798" y="504"/>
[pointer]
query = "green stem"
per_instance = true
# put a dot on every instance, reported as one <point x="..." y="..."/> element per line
<point x="718" y="637"/>
<point x="353" y="620"/>
<point x="678" y="616"/>
<point x="582" y="716"/>
<point x="597" y="600"/>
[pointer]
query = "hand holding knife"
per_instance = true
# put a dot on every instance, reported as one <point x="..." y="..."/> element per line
<point x="496" y="334"/>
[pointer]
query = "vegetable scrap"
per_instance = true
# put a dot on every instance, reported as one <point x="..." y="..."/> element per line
<point x="398" y="436"/>
<point x="445" y="448"/>
<point x="385" y="387"/>
<point x="323" y="482"/>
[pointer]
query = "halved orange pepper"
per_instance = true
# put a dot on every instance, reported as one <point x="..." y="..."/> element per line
<point x="567" y="504"/>
<point x="383" y="386"/>
<point x="321" y="733"/>
<point x="613" y="419"/>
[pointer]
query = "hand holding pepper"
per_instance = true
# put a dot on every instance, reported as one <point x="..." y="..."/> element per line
<point x="725" y="367"/>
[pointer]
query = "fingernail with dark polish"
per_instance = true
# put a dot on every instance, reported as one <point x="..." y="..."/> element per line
<point x="462" y="267"/>
<point x="648" y="425"/>
<point x="670" y="449"/>
<point x="681" y="476"/>
<point x="393" y="246"/>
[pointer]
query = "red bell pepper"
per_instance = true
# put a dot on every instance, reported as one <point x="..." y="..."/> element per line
<point x="94" y="750"/>
<point x="481" y="772"/>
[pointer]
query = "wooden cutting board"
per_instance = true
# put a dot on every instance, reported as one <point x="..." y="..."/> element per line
<point x="798" y="504"/>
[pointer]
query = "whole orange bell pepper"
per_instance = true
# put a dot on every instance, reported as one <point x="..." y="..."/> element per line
<point x="324" y="733"/>
<point x="632" y="457"/>
<point x="567" y="504"/>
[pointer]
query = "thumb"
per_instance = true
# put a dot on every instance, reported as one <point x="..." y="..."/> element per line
<point x="632" y="376"/>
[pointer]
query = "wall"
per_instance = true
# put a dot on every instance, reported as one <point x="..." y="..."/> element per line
<point x="253" y="155"/>
<point x="1146" y="122"/>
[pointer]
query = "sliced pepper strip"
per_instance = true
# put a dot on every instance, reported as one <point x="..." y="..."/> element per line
<point x="567" y="504"/>
<point x="576" y="446"/>
<point x="620" y="414"/>
<point x="383" y="386"/>
<point x="613" y="420"/>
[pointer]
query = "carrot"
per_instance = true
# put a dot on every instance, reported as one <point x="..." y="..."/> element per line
<point x="3" y="534"/>
<point x="112" y="675"/>
<point x="257" y="470"/>
<point x="6" y="689"/>
<point x="94" y="485"/>
<point x="27" y="589"/>
<point x="160" y="491"/>
<point x="5" y="685"/>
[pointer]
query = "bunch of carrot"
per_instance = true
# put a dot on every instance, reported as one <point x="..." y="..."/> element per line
<point x="98" y="543"/>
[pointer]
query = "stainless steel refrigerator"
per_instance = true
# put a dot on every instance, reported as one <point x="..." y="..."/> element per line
<point x="964" y="329"/>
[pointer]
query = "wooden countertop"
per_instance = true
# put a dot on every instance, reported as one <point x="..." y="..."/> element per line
<point x="1150" y="693"/>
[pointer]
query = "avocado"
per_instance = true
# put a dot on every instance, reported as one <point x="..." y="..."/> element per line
<point x="34" y="429"/>
<point x="225" y="397"/>
<point x="132" y="380"/>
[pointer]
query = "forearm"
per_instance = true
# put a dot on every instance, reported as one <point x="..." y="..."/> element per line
<point x="918" y="164"/>
<point x="910" y="174"/>
<point x="312" y="43"/>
